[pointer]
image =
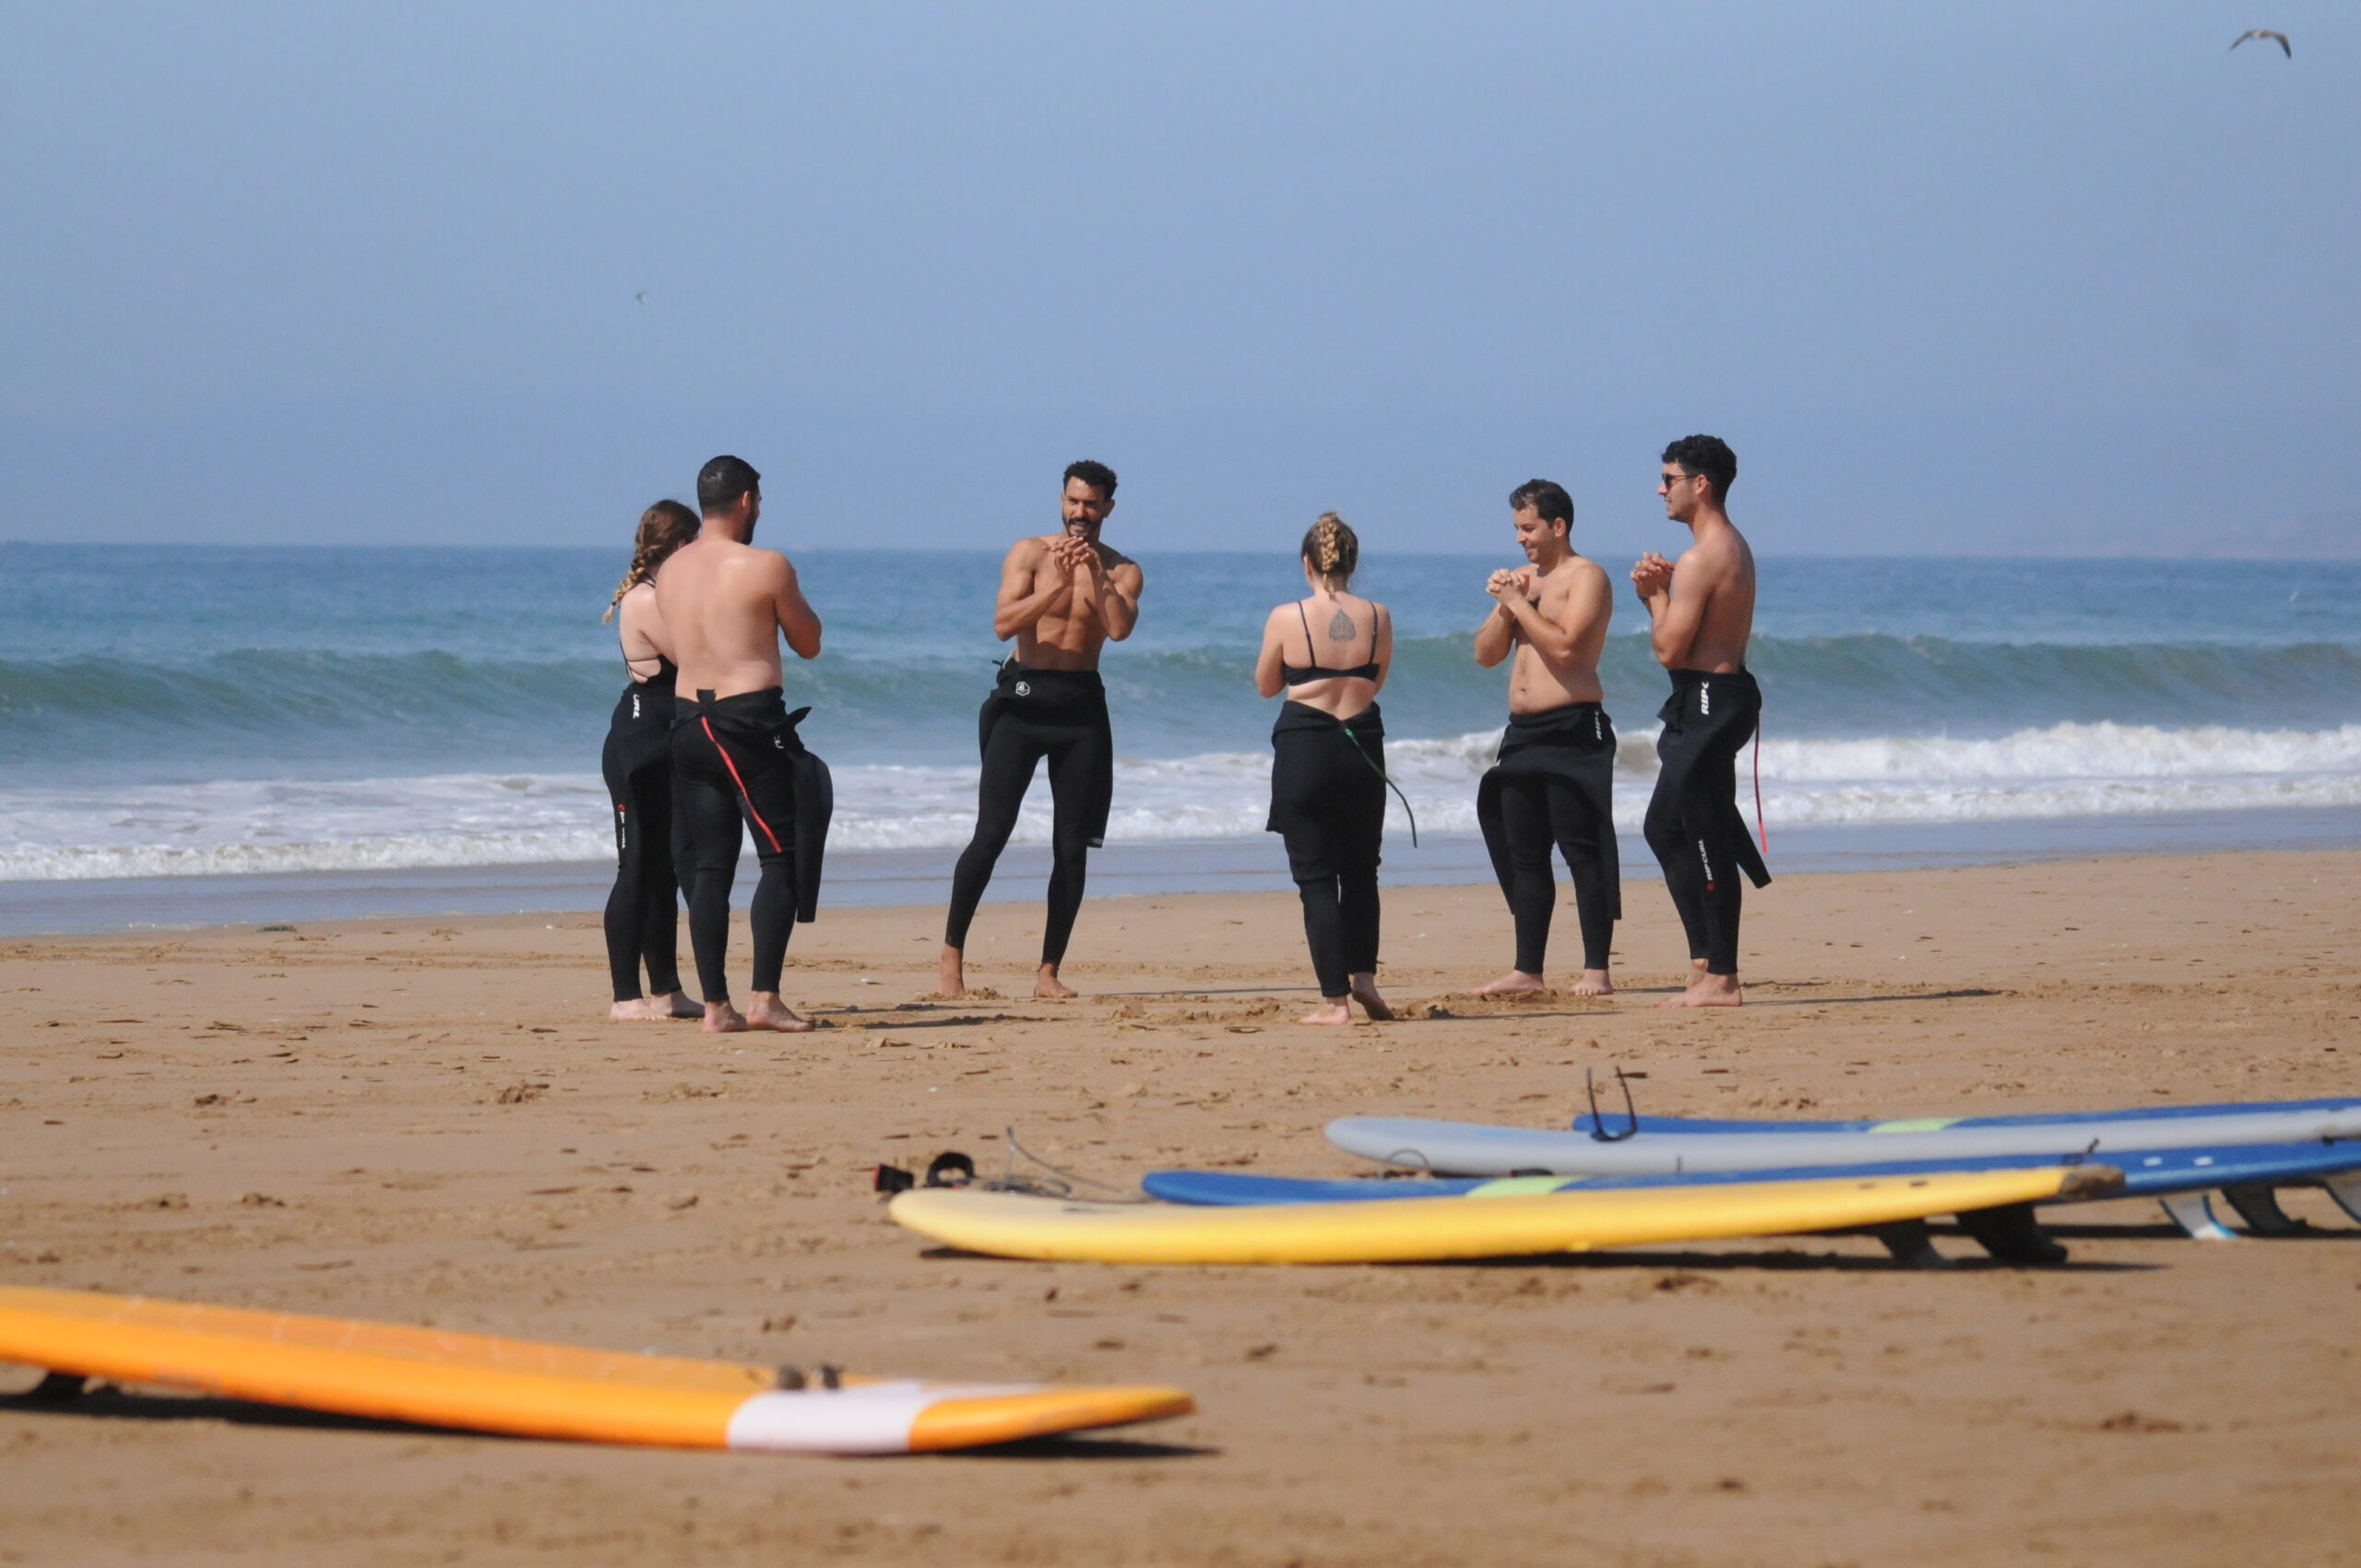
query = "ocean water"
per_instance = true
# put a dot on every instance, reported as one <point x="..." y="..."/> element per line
<point x="173" y="712"/>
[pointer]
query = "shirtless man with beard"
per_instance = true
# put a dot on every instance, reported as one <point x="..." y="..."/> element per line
<point x="735" y="752"/>
<point x="1063" y="595"/>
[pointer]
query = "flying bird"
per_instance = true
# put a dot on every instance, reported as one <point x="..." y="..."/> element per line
<point x="641" y="298"/>
<point x="2278" y="38"/>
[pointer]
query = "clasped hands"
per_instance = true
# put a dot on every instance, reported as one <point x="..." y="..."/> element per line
<point x="1509" y="583"/>
<point x="1072" y="551"/>
<point x="1650" y="575"/>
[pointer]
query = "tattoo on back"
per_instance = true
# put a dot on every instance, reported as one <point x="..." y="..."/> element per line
<point x="1341" y="627"/>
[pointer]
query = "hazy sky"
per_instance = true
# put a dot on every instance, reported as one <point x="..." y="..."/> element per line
<point x="1995" y="278"/>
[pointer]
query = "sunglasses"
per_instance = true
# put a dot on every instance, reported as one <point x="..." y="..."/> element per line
<point x="1669" y="480"/>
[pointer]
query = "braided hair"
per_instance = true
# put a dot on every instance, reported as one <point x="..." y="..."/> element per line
<point x="663" y="528"/>
<point x="1332" y="549"/>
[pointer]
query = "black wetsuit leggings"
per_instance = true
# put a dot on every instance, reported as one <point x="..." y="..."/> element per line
<point x="642" y="910"/>
<point x="1077" y="753"/>
<point x="1541" y="811"/>
<point x="1328" y="804"/>
<point x="731" y="773"/>
<point x="1693" y="823"/>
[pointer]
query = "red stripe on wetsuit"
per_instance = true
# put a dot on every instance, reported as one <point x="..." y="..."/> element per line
<point x="706" y="724"/>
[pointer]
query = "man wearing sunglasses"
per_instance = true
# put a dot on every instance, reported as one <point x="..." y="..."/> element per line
<point x="1701" y="614"/>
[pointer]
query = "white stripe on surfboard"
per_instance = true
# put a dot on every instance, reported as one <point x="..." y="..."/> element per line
<point x="868" y="1418"/>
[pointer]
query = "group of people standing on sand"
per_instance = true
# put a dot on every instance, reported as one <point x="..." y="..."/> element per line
<point x="701" y="749"/>
<point x="1552" y="782"/>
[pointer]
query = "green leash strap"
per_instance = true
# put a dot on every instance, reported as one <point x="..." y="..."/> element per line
<point x="1398" y="795"/>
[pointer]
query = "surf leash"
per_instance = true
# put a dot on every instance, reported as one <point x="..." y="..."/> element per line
<point x="1373" y="767"/>
<point x="1760" y="827"/>
<point x="1598" y="1123"/>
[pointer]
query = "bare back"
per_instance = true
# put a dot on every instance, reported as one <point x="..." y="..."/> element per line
<point x="1073" y="611"/>
<point x="1712" y="591"/>
<point x="725" y="605"/>
<point x="1576" y="597"/>
<point x="639" y="628"/>
<point x="1338" y="632"/>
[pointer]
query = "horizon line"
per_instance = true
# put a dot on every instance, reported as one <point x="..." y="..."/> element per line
<point x="2112" y="558"/>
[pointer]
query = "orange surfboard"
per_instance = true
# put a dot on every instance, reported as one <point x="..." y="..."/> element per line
<point x="526" y="1388"/>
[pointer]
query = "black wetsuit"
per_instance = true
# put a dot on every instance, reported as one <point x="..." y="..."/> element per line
<point x="1032" y="714"/>
<point x="737" y="764"/>
<point x="1554" y="784"/>
<point x="1328" y="806"/>
<point x="1693" y="823"/>
<point x="642" y="923"/>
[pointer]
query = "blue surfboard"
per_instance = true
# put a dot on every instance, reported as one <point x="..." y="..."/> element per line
<point x="2180" y="1178"/>
<point x="2160" y="1113"/>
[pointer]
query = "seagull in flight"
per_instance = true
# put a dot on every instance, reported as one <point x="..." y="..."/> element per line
<point x="641" y="298"/>
<point x="2278" y="38"/>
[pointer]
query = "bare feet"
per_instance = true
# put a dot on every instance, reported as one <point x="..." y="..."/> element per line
<point x="1333" y="1010"/>
<point x="1365" y="993"/>
<point x="951" y="973"/>
<point x="650" y="1009"/>
<point x="1048" y="987"/>
<point x="720" y="1018"/>
<point x="1516" y="982"/>
<point x="1708" y="990"/>
<point x="1594" y="983"/>
<point x="767" y="1012"/>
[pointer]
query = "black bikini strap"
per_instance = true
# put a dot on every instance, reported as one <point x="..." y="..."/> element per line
<point x="1310" y="648"/>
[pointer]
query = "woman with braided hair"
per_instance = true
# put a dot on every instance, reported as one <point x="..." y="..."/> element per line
<point x="1328" y="764"/>
<point x="642" y="911"/>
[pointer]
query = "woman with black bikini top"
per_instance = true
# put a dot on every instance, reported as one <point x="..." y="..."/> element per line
<point x="1328" y="765"/>
<point x="642" y="911"/>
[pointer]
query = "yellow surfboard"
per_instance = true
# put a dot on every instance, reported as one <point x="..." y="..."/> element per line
<point x="1424" y="1230"/>
<point x="525" y="1389"/>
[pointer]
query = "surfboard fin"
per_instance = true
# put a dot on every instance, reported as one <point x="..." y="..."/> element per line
<point x="56" y="1388"/>
<point x="1912" y="1244"/>
<point x="2011" y="1234"/>
<point x="2259" y="1205"/>
<point x="2193" y="1212"/>
<point x="2345" y="1188"/>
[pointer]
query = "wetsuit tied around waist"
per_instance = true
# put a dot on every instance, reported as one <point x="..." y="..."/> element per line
<point x="1693" y="823"/>
<point x="642" y="923"/>
<point x="1033" y="714"/>
<point x="1328" y="806"/>
<point x="1554" y="784"/>
<point x="738" y="766"/>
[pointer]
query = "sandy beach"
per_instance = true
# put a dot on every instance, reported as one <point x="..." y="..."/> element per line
<point x="429" y="1121"/>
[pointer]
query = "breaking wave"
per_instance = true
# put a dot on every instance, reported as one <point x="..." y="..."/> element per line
<point x="236" y="826"/>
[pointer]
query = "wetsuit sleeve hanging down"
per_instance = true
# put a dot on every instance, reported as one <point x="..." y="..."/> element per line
<point x="1693" y="823"/>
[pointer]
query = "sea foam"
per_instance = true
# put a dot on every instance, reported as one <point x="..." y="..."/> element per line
<point x="228" y="827"/>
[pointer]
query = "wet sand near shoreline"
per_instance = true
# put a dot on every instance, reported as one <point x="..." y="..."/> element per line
<point x="429" y="1121"/>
